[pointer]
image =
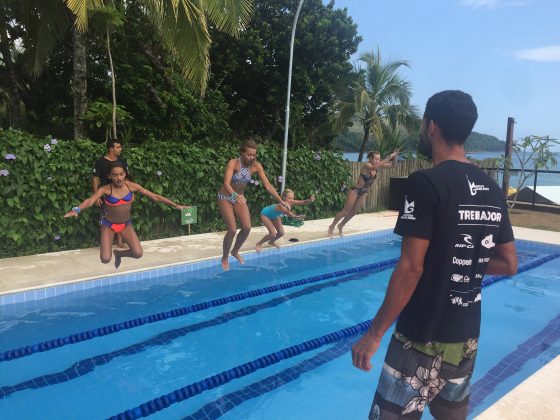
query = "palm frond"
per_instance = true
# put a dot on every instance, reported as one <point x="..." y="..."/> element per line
<point x="79" y="9"/>
<point x="230" y="16"/>
<point x="183" y="27"/>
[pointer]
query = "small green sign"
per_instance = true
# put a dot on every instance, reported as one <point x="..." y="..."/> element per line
<point x="188" y="216"/>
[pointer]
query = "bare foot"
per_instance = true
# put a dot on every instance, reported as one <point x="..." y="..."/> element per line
<point x="340" y="230"/>
<point x="238" y="257"/>
<point x="118" y="258"/>
<point x="225" y="264"/>
<point x="258" y="247"/>
<point x="330" y="231"/>
<point x="274" y="244"/>
<point x="122" y="245"/>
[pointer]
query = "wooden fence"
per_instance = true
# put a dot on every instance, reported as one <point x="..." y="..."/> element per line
<point x="378" y="195"/>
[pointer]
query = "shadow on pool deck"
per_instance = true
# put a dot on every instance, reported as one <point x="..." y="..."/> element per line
<point x="536" y="397"/>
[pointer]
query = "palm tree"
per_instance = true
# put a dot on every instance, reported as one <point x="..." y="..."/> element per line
<point x="182" y="24"/>
<point x="378" y="98"/>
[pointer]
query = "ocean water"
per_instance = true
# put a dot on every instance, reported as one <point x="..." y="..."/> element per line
<point x="543" y="179"/>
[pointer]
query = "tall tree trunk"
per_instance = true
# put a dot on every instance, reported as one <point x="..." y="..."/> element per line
<point x="5" y="49"/>
<point x="364" y="141"/>
<point x="79" y="84"/>
<point x="114" y="132"/>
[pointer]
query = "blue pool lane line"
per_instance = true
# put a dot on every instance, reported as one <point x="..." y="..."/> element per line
<point x="160" y="403"/>
<point x="161" y="316"/>
<point x="157" y="404"/>
<point x="88" y="365"/>
<point x="217" y="408"/>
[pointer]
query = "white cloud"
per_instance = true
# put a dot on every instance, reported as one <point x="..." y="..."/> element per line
<point x="551" y="53"/>
<point x="493" y="4"/>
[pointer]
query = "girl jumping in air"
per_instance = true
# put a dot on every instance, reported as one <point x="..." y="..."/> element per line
<point x="118" y="195"/>
<point x="357" y="193"/>
<point x="270" y="216"/>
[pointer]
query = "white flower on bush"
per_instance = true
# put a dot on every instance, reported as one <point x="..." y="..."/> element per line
<point x="280" y="178"/>
<point x="47" y="147"/>
<point x="10" y="156"/>
<point x="252" y="181"/>
<point x="57" y="238"/>
<point x="4" y="172"/>
<point x="54" y="141"/>
<point x="257" y="182"/>
<point x="159" y="173"/>
<point x="318" y="156"/>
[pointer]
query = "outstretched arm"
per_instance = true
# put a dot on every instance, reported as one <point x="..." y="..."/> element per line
<point x="266" y="183"/>
<point x="88" y="202"/>
<point x="399" y="291"/>
<point x="286" y="210"/>
<point x="305" y="202"/>
<point x="390" y="160"/>
<point x="155" y="197"/>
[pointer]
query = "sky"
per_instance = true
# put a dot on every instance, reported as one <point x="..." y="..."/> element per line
<point x="505" y="53"/>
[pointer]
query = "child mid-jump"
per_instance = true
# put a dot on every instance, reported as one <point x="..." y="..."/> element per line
<point x="270" y="216"/>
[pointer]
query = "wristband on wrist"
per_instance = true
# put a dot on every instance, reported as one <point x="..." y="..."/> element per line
<point x="77" y="209"/>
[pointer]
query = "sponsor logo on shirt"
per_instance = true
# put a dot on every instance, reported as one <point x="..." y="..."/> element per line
<point x="408" y="213"/>
<point x="458" y="300"/>
<point x="480" y="215"/>
<point x="468" y="241"/>
<point x="478" y="276"/>
<point x="483" y="260"/>
<point x="461" y="262"/>
<point x="488" y="242"/>
<point x="473" y="188"/>
<point x="459" y="278"/>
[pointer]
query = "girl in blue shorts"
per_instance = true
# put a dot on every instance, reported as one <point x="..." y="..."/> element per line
<point x="270" y="217"/>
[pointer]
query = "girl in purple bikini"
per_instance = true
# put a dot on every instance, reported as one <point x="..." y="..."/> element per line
<point x="231" y="200"/>
<point x="118" y="195"/>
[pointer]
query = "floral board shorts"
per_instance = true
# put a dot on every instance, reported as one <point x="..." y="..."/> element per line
<point x="416" y="375"/>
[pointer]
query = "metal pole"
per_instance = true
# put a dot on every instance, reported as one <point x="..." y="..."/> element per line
<point x="509" y="145"/>
<point x="287" y="122"/>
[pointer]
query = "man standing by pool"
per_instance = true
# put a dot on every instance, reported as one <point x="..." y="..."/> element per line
<point x="455" y="228"/>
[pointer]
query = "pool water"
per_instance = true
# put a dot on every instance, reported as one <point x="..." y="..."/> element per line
<point x="105" y="376"/>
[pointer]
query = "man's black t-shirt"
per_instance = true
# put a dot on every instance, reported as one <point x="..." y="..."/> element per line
<point x="463" y="213"/>
<point x="103" y="166"/>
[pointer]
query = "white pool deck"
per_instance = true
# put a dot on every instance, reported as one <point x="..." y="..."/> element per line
<point x="538" y="397"/>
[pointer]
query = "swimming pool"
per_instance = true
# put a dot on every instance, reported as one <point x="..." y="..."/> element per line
<point x="126" y="347"/>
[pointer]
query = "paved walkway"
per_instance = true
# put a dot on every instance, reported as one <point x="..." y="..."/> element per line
<point x="537" y="397"/>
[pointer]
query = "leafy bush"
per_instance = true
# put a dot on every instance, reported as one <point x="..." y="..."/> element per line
<point x="42" y="178"/>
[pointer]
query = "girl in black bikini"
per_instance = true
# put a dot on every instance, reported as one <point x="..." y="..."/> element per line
<point x="357" y="193"/>
<point x="119" y="195"/>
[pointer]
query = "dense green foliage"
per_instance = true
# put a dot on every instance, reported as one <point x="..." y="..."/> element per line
<point x="247" y="87"/>
<point x="252" y="72"/>
<point x="41" y="178"/>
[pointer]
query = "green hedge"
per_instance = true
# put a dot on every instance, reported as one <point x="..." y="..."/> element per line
<point x="42" y="178"/>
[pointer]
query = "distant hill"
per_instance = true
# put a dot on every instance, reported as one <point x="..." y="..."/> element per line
<point x="350" y="141"/>
<point x="478" y="142"/>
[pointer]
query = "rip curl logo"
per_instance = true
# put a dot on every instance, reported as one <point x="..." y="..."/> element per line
<point x="408" y="211"/>
<point x="488" y="242"/>
<point x="468" y="242"/>
<point x="473" y="188"/>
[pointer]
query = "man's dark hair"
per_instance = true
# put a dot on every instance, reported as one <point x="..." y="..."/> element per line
<point x="454" y="112"/>
<point x="111" y="143"/>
